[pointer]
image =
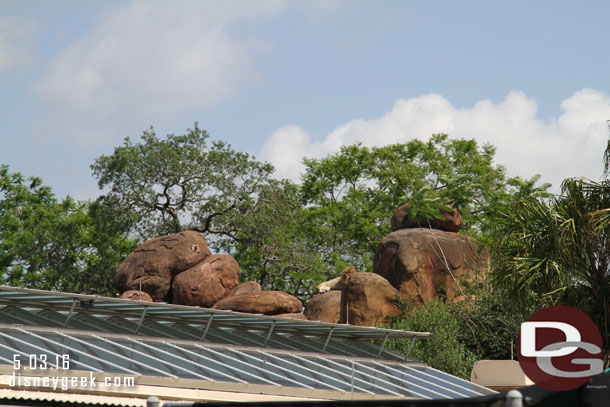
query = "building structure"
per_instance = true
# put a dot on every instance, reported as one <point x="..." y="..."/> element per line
<point x="61" y="347"/>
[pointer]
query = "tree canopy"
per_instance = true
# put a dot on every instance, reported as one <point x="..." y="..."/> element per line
<point x="54" y="245"/>
<point x="559" y="249"/>
<point x="351" y="195"/>
<point x="178" y="183"/>
<point x="292" y="236"/>
<point x="187" y="182"/>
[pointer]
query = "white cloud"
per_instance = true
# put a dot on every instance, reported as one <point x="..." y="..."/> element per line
<point x="15" y="42"/>
<point x="570" y="146"/>
<point x="148" y="59"/>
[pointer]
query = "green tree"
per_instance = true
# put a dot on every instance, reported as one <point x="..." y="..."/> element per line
<point x="179" y="183"/>
<point x="161" y="186"/>
<point x="271" y="247"/>
<point x="351" y="195"/>
<point x="560" y="249"/>
<point x="51" y="244"/>
<point x="490" y="323"/>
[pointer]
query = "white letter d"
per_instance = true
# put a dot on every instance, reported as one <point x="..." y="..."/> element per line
<point x="528" y="338"/>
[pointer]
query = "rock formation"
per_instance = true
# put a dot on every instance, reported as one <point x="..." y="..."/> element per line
<point x="367" y="299"/>
<point x="324" y="307"/>
<point x="250" y="287"/>
<point x="152" y="265"/>
<point x="413" y="261"/>
<point x="451" y="222"/>
<point x="265" y="302"/>
<point x="207" y="282"/>
<point x="180" y="269"/>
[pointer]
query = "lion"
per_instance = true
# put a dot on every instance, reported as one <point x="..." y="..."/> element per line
<point x="337" y="283"/>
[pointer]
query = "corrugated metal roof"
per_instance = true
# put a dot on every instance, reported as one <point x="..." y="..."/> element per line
<point x="102" y="314"/>
<point x="52" y="398"/>
<point x="197" y="348"/>
<point x="221" y="366"/>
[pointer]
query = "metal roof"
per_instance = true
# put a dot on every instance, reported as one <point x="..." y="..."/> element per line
<point x="115" y="315"/>
<point x="223" y="351"/>
<point x="222" y="367"/>
<point x="66" y="399"/>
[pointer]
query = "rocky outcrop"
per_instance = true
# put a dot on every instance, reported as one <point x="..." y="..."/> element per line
<point x="367" y="299"/>
<point x="450" y="222"/>
<point x="265" y="302"/>
<point x="207" y="282"/>
<point x="136" y="295"/>
<point x="324" y="307"/>
<point x="152" y="265"/>
<point x="251" y="287"/>
<point x="413" y="261"/>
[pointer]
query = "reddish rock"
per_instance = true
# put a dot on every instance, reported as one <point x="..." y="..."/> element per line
<point x="451" y="222"/>
<point x="265" y="302"/>
<point x="412" y="261"/>
<point x="206" y="283"/>
<point x="152" y="265"/>
<point x="324" y="307"/>
<point x="292" y="315"/>
<point x="249" y="287"/>
<point x="367" y="299"/>
<point x="136" y="295"/>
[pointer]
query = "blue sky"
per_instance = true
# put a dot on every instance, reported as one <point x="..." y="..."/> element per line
<point x="284" y="79"/>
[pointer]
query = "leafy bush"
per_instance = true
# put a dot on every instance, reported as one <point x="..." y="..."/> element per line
<point x="442" y="350"/>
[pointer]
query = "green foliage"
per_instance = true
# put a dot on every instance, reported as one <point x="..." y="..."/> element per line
<point x="162" y="186"/>
<point x="351" y="195"/>
<point x="442" y="350"/>
<point x="54" y="245"/>
<point x="467" y="331"/>
<point x="560" y="249"/>
<point x="179" y="183"/>
<point x="555" y="248"/>
<point x="492" y="321"/>
<point x="271" y="247"/>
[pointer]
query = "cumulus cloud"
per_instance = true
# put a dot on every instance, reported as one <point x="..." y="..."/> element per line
<point x="150" y="58"/>
<point x="569" y="146"/>
<point x="15" y="42"/>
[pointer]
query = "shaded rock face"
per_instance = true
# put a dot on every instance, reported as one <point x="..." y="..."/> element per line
<point x="412" y="261"/>
<point x="136" y="295"/>
<point x="207" y="282"/>
<point x="367" y="299"/>
<point x="324" y="307"/>
<point x="154" y="263"/>
<point x="265" y="302"/>
<point x="251" y="287"/>
<point x="451" y="222"/>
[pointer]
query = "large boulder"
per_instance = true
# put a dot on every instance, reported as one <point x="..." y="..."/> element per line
<point x="367" y="299"/>
<point x="324" y="307"/>
<point x="250" y="287"/>
<point x="413" y="261"/>
<point x="450" y="222"/>
<point x="207" y="282"/>
<point x="153" y="264"/>
<point x="136" y="295"/>
<point x="265" y="302"/>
